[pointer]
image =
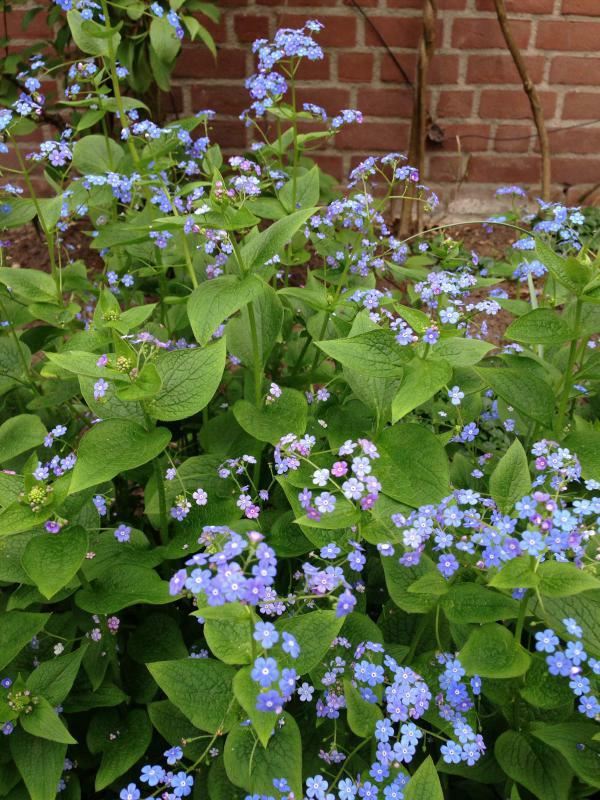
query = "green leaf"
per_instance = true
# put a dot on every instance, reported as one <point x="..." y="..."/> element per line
<point x="287" y="414"/>
<point x="461" y="352"/>
<point x="90" y="37"/>
<point x="246" y="691"/>
<point x="253" y="768"/>
<point x="122" y="587"/>
<point x="163" y="40"/>
<point x="314" y="633"/>
<point x="576" y="744"/>
<point x="189" y="380"/>
<point x="540" y="326"/>
<point x="306" y="191"/>
<point x="19" y="434"/>
<point x="362" y="715"/>
<point x="230" y="642"/>
<point x="83" y="364"/>
<point x="534" y="765"/>
<point x="112" y="447"/>
<point x="523" y="390"/>
<point x="54" y="679"/>
<point x="510" y="480"/>
<point x="375" y="353"/>
<point x="124" y="751"/>
<point x="268" y="317"/>
<point x="421" y="381"/>
<point x="44" y="722"/>
<point x="413" y="466"/>
<point x="216" y="300"/>
<point x="584" y="607"/>
<point x="30" y="284"/>
<point x="400" y="579"/>
<point x="471" y="602"/>
<point x="96" y="154"/>
<point x="52" y="560"/>
<point x="261" y="248"/>
<point x="17" y="629"/>
<point x="518" y="572"/>
<point x="563" y="580"/>
<point x="492" y="652"/>
<point x="146" y="385"/>
<point x="562" y="269"/>
<point x="201" y="688"/>
<point x="40" y="763"/>
<point x="543" y="690"/>
<point x="586" y="445"/>
<point x="425" y="783"/>
<point x="158" y="637"/>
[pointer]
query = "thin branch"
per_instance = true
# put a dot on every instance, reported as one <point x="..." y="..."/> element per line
<point x="532" y="94"/>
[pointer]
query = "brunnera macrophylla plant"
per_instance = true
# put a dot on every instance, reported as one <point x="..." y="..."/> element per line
<point x="285" y="513"/>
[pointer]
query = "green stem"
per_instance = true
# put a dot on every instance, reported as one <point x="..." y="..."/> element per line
<point x="521" y="618"/>
<point x="568" y="383"/>
<point x="162" y="503"/>
<point x="256" y="356"/>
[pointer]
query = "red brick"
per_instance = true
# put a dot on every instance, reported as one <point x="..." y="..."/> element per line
<point x="590" y="8"/>
<point x="583" y="141"/>
<point x="576" y="170"/>
<point x="455" y="104"/>
<point x="481" y="34"/>
<point x="581" y="105"/>
<point x="385" y="102"/>
<point x="314" y="70"/>
<point x="494" y="68"/>
<point x="465" y="138"/>
<point x="568" y="35"/>
<point x="490" y="168"/>
<point x="398" y="31"/>
<point x="373" y="137"/>
<point x="509" y="104"/>
<point x="333" y="99"/>
<point x="574" y="70"/>
<point x="338" y="32"/>
<point x="443" y="69"/>
<point x="332" y="165"/>
<point x="197" y="62"/>
<point x="513" y="138"/>
<point x="37" y="28"/>
<point x="448" y="167"/>
<point x="224" y="99"/>
<point x="249" y="27"/>
<point x="355" y="67"/>
<point x="228" y="133"/>
<point x="519" y="6"/>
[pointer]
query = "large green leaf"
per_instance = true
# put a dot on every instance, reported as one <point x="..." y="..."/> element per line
<point x="268" y="243"/>
<point x="534" y="765"/>
<point x="586" y="445"/>
<point x="375" y="353"/>
<point x="91" y="37"/>
<point x="112" y="447"/>
<point x="471" y="602"/>
<point x="461" y="352"/>
<point x="253" y="768"/>
<point x="189" y="380"/>
<point x="54" y="679"/>
<point x="563" y="579"/>
<point x="510" y="480"/>
<point x="17" y="629"/>
<point x="121" y="587"/>
<point x="40" y="763"/>
<point x="287" y="414"/>
<point x="399" y="580"/>
<point x="576" y="742"/>
<point x="30" y="284"/>
<point x="246" y="691"/>
<point x="301" y="193"/>
<point x="413" y="466"/>
<point x="124" y="751"/>
<point x="421" y="381"/>
<point x="45" y="723"/>
<point x="540" y="326"/>
<point x="362" y="715"/>
<point x="214" y="301"/>
<point x="51" y="561"/>
<point x="19" y="434"/>
<point x="492" y="652"/>
<point x="96" y="154"/>
<point x="425" y="783"/>
<point x="314" y="632"/>
<point x="522" y="389"/>
<point x="201" y="688"/>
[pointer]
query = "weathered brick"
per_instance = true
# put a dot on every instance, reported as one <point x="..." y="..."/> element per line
<point x="512" y="104"/>
<point x="574" y="70"/>
<point x="385" y="102"/>
<point x="355" y="67"/>
<point x="481" y="34"/>
<point x="589" y="8"/>
<point x="573" y="35"/>
<point x="581" y="105"/>
<point x="496" y="68"/>
<point x="455" y="103"/>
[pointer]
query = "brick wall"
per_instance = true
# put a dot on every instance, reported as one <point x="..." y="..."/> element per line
<point x="476" y="96"/>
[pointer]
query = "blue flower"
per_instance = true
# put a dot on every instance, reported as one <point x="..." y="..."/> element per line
<point x="265" y="633"/>
<point x="290" y="645"/>
<point x="269" y="701"/>
<point x="265" y="671"/>
<point x="546" y="641"/>
<point x="131" y="792"/>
